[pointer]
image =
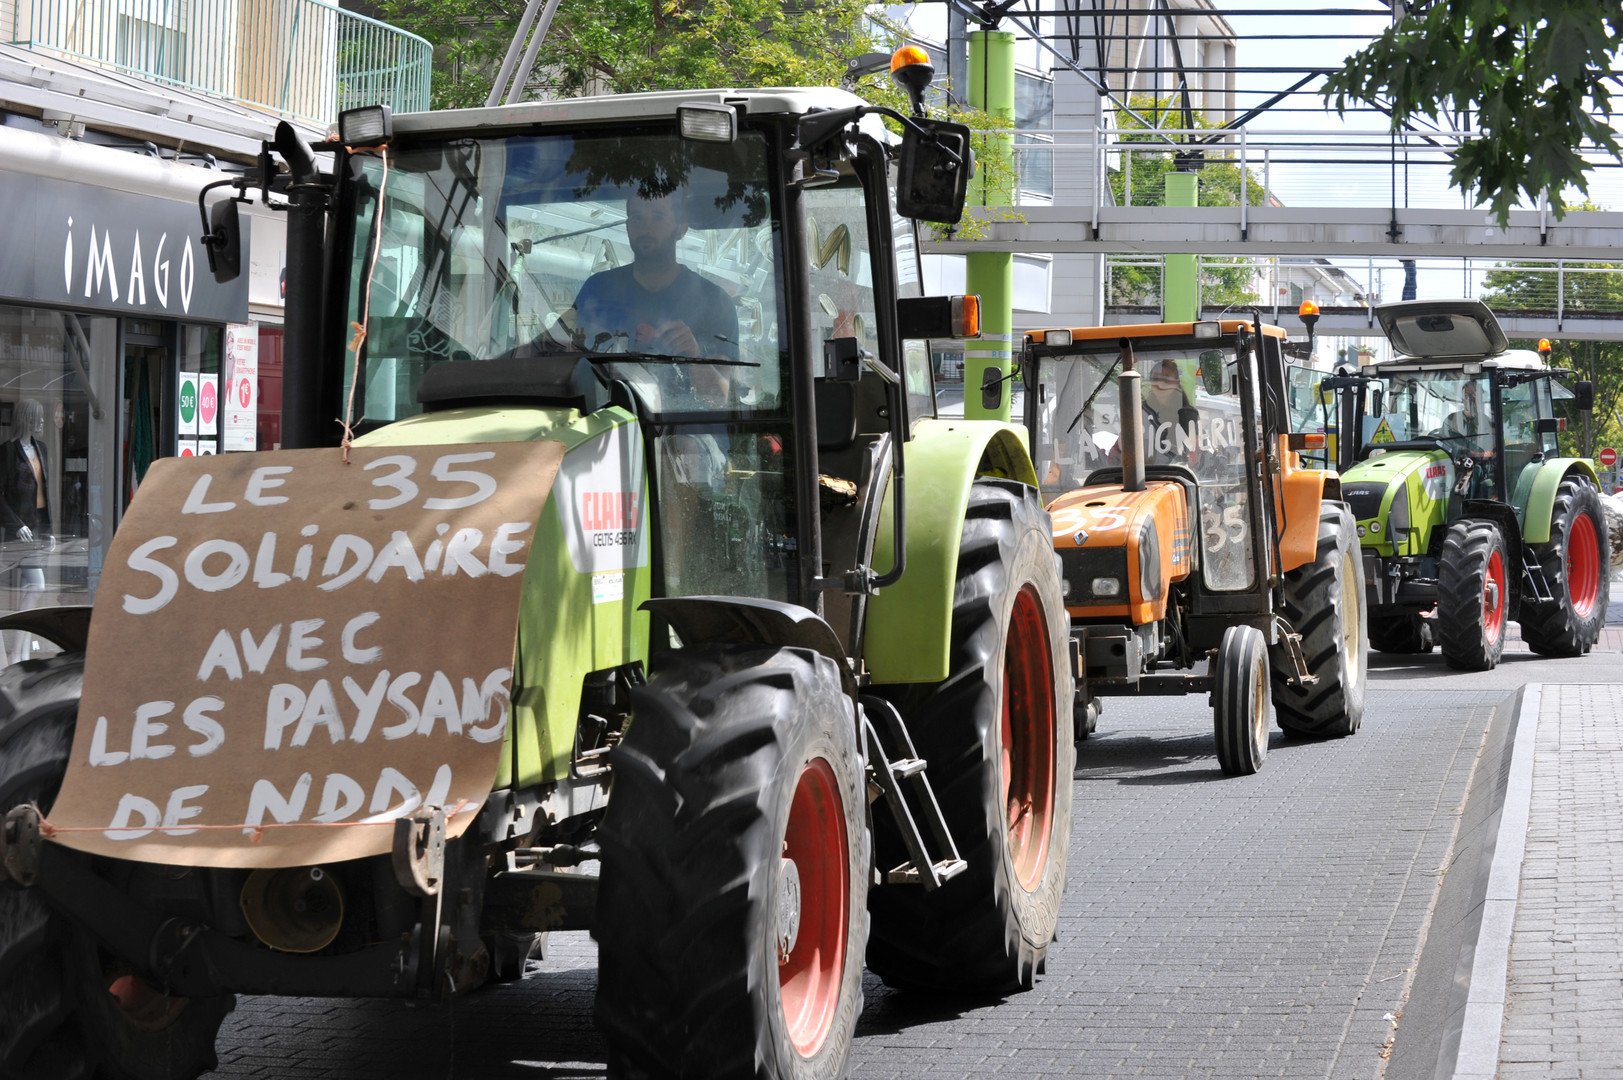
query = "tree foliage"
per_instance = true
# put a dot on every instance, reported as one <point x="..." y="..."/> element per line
<point x="625" y="46"/>
<point x="1142" y="181"/>
<point x="1536" y="75"/>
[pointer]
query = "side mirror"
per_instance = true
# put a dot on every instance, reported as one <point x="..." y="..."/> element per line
<point x="992" y="389"/>
<point x="933" y="171"/>
<point x="223" y="242"/>
<point x="1583" y="395"/>
<point x="842" y="359"/>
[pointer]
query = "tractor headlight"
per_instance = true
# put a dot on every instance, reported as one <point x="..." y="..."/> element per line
<point x="1397" y="517"/>
<point x="1106" y="586"/>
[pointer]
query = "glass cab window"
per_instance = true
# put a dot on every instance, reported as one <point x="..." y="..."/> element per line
<point x="655" y="258"/>
<point x="1192" y="419"/>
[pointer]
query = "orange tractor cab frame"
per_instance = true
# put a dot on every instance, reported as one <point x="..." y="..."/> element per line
<point x="1189" y="533"/>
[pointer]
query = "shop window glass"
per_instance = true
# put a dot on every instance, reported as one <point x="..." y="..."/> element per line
<point x="58" y="412"/>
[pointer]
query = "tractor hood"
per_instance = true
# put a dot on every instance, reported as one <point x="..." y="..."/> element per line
<point x="290" y="650"/>
<point x="1398" y="494"/>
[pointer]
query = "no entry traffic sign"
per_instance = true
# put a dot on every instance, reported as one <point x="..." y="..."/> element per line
<point x="1607" y="456"/>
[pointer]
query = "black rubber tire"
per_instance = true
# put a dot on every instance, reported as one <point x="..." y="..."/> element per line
<point x="1240" y="701"/>
<point x="1324" y="602"/>
<point x="57" y="1019"/>
<point x="1470" y="640"/>
<point x="1558" y="628"/>
<point x="694" y="844"/>
<point x="1404" y="633"/>
<point x="983" y="930"/>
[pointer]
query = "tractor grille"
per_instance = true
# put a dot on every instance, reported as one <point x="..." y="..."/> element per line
<point x="1080" y="566"/>
<point x="1364" y="498"/>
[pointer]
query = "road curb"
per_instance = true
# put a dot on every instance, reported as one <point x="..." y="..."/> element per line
<point x="1484" y="1013"/>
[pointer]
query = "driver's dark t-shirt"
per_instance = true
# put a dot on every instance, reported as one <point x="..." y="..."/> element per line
<point x="613" y="311"/>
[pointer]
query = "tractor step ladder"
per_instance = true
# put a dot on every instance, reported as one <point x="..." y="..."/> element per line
<point x="895" y="766"/>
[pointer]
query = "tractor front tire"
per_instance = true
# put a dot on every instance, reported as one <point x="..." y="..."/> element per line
<point x="1472" y="595"/>
<point x="1577" y="564"/>
<point x="1324" y="603"/>
<point x="67" y="1010"/>
<point x="731" y="910"/>
<point x="1240" y="701"/>
<point x="1404" y="633"/>
<point x="998" y="736"/>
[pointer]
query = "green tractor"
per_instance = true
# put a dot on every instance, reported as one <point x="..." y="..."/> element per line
<point x="1468" y="515"/>
<point x="633" y="632"/>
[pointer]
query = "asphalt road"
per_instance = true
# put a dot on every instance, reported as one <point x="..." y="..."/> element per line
<point x="1263" y="926"/>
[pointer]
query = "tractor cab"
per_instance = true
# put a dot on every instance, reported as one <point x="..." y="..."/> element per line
<point x="1179" y="504"/>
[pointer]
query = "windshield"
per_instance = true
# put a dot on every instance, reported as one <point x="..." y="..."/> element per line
<point x="1445" y="404"/>
<point x="655" y="256"/>
<point x="1192" y="418"/>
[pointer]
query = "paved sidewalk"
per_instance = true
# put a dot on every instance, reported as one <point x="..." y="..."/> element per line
<point x="1546" y="990"/>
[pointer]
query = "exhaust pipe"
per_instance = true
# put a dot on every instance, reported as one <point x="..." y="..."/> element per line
<point x="1132" y="421"/>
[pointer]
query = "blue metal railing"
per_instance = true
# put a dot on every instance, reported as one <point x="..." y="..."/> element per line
<point x="305" y="59"/>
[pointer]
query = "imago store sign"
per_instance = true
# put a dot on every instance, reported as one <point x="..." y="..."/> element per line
<point x="94" y="248"/>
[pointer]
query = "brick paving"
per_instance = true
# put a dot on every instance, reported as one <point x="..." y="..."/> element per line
<point x="1563" y="1015"/>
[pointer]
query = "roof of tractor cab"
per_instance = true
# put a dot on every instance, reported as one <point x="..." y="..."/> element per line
<point x="1149" y="330"/>
<point x="1514" y="359"/>
<point x="1453" y="330"/>
<point x="627" y="108"/>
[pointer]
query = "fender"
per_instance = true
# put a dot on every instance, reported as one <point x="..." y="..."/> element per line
<point x="1535" y="513"/>
<point x="1300" y="493"/>
<point x="909" y="624"/>
<point x="738" y="620"/>
<point x="67" y="627"/>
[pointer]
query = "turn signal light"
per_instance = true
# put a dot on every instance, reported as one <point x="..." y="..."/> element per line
<point x="966" y="316"/>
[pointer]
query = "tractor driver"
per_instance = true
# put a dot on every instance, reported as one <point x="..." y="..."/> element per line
<point x="1166" y="408"/>
<point x="1471" y="425"/>
<point x="655" y="304"/>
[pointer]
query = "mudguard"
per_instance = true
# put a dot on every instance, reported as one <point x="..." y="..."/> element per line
<point x="1533" y="512"/>
<point x="909" y="623"/>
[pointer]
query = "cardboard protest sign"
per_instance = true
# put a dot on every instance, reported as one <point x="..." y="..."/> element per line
<point x="288" y="652"/>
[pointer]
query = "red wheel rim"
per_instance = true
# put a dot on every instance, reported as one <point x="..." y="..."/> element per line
<point x="1583" y="566"/>
<point x="1493" y="597"/>
<point x="1028" y="738"/>
<point x="812" y="968"/>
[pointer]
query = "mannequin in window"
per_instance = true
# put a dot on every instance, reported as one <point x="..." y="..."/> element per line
<point x="25" y="511"/>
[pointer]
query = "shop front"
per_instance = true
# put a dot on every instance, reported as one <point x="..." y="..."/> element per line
<point x="113" y="353"/>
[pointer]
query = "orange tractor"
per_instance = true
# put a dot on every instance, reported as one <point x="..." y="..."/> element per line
<point x="1190" y="536"/>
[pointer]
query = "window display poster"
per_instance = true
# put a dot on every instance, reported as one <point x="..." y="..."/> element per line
<point x="240" y="405"/>
<point x="186" y="406"/>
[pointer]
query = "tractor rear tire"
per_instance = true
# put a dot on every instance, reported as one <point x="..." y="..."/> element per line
<point x="998" y="736"/>
<point x="1324" y="602"/>
<point x="731" y="910"/>
<point x="1577" y="565"/>
<point x="66" y="1009"/>
<point x="1472" y="595"/>
<point x="1403" y="633"/>
<point x="1240" y="701"/>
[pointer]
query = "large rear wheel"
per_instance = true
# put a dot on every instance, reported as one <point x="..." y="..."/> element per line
<point x="731" y="918"/>
<point x="67" y="1008"/>
<point x="1324" y="602"/>
<point x="1472" y="595"/>
<point x="1576" y="563"/>
<point x="998" y="737"/>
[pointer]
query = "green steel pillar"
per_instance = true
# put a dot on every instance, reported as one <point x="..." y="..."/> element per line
<point x="991" y="274"/>
<point x="1180" y="292"/>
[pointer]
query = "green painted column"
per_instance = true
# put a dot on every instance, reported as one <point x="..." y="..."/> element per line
<point x="991" y="274"/>
<point x="1180" y="291"/>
